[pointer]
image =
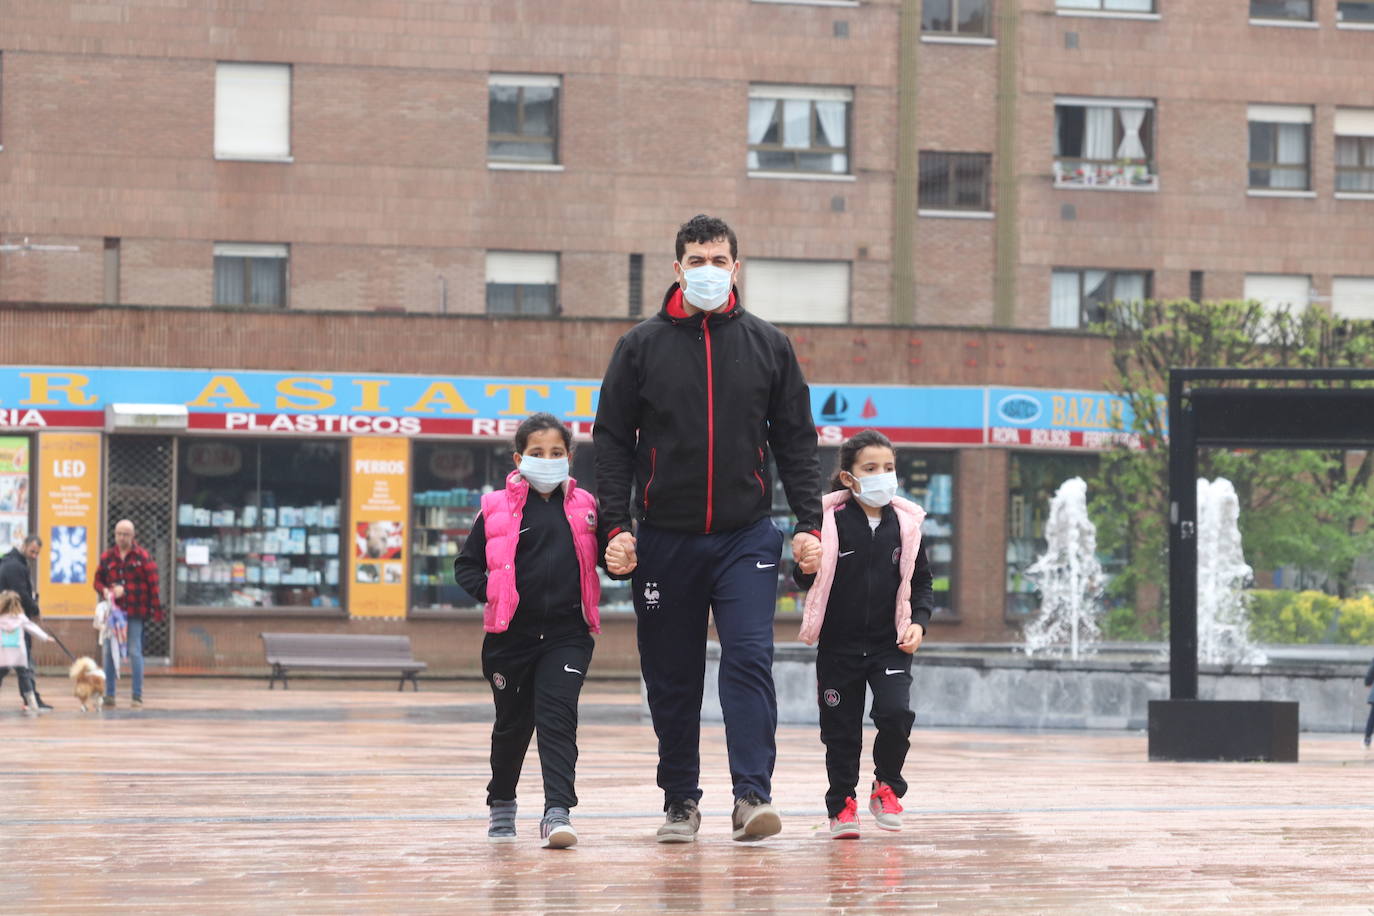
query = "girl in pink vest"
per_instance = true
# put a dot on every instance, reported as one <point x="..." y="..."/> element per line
<point x="868" y="606"/>
<point x="531" y="557"/>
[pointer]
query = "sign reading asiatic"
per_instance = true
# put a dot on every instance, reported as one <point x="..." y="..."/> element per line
<point x="349" y="405"/>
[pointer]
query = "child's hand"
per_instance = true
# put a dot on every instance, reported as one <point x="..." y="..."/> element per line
<point x="806" y="550"/>
<point x="911" y="639"/>
<point x="621" y="557"/>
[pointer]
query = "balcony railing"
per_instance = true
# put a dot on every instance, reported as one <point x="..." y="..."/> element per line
<point x="1081" y="173"/>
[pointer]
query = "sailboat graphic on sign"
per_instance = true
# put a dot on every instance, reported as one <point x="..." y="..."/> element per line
<point x="869" y="411"/>
<point x="834" y="408"/>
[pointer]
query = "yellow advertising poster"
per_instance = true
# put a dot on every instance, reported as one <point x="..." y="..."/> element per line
<point x="379" y="504"/>
<point x="68" y="495"/>
<point x="14" y="491"/>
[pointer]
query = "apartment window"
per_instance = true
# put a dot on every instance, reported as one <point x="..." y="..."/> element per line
<point x="1195" y="285"/>
<point x="799" y="129"/>
<point x="812" y="292"/>
<point x="522" y="283"/>
<point x="1355" y="149"/>
<point x="1355" y="11"/>
<point x="954" y="181"/>
<point x="1105" y="143"/>
<point x="955" y="17"/>
<point x="1279" y="292"/>
<point x="1079" y="297"/>
<point x="1109" y="6"/>
<point x="1296" y="10"/>
<point x="1353" y="297"/>
<point x="522" y="118"/>
<point x="1280" y="137"/>
<point x="253" y="111"/>
<point x="250" y="275"/>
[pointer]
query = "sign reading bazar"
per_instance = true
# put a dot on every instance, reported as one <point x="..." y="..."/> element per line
<point x="352" y="405"/>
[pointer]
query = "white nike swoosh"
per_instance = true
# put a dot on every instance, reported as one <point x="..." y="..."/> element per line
<point x="893" y="670"/>
<point x="523" y="530"/>
<point x="764" y="565"/>
<point x="571" y="670"/>
<point x="845" y="553"/>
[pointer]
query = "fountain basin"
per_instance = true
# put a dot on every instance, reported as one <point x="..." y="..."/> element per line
<point x="1004" y="690"/>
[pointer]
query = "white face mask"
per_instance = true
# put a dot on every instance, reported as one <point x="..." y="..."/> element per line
<point x="877" y="490"/>
<point x="544" y="474"/>
<point x="708" y="286"/>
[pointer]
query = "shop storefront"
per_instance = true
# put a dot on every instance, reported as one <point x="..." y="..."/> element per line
<point x="348" y="496"/>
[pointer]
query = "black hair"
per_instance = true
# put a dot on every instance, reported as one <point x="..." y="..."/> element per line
<point x="701" y="229"/>
<point x="33" y="539"/>
<point x="536" y="422"/>
<point x="849" y="453"/>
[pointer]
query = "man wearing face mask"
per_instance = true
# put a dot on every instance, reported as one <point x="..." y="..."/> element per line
<point x="692" y="403"/>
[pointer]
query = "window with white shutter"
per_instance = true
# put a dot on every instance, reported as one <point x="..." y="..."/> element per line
<point x="807" y="292"/>
<point x="253" y="111"/>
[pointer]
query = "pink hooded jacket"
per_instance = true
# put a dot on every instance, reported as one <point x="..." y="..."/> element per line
<point x="501" y="511"/>
<point x="909" y="518"/>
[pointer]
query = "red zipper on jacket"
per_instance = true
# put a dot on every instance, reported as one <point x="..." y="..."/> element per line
<point x="759" y="477"/>
<point x="653" y="466"/>
<point x="710" y="422"/>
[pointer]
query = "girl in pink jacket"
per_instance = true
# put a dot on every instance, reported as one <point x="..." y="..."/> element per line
<point x="13" y="653"/>
<point x="868" y="606"/>
<point x="531" y="557"/>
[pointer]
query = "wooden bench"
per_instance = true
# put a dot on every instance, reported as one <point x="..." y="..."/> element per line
<point x="340" y="650"/>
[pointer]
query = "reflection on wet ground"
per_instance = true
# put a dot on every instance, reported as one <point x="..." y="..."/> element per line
<point x="222" y="796"/>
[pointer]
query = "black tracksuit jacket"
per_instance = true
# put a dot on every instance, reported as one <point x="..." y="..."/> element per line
<point x="690" y="408"/>
<point x="860" y="615"/>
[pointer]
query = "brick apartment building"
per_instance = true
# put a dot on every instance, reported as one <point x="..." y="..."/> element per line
<point x="932" y="197"/>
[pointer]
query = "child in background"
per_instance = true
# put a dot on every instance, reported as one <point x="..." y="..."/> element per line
<point x="13" y="653"/>
<point x="868" y="604"/>
<point x="532" y="556"/>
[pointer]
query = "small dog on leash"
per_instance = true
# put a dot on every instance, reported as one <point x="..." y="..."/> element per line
<point x="88" y="681"/>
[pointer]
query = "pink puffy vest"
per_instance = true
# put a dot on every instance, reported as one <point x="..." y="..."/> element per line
<point x="501" y="510"/>
<point x="909" y="518"/>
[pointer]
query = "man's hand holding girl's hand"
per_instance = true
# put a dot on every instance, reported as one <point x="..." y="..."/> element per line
<point x="621" y="558"/>
<point x="806" y="550"/>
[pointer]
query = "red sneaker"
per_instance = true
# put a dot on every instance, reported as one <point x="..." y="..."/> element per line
<point x="845" y="825"/>
<point x="887" y="811"/>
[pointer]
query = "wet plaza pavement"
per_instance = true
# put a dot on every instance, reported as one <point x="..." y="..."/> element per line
<point x="346" y="796"/>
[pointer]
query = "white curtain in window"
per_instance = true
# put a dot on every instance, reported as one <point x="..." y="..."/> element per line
<point x="229" y="281"/>
<point x="831" y="116"/>
<point x="1131" y="121"/>
<point x="1130" y="6"/>
<point x="253" y="111"/>
<point x="1347" y="152"/>
<point x="801" y="291"/>
<point x="1097" y="133"/>
<point x="760" y="116"/>
<point x="1353" y="297"/>
<point x="1129" y="287"/>
<point x="796" y="123"/>
<point x="1064" y="299"/>
<point x="1292" y="150"/>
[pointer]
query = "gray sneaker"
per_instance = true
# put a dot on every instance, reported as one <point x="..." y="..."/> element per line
<point x="501" y="823"/>
<point x="556" y="829"/>
<point x="884" y="807"/>
<point x="682" y="821"/>
<point x="754" y="819"/>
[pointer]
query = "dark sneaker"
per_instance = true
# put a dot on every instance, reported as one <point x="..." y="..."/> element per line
<point x="845" y="825"/>
<point x="681" y="823"/>
<point x="883" y="804"/>
<point x="109" y="701"/>
<point x="136" y="703"/>
<point x="501" y="823"/>
<point x="754" y="819"/>
<point x="556" y="829"/>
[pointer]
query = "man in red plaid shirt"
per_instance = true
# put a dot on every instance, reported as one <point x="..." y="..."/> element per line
<point x="127" y="576"/>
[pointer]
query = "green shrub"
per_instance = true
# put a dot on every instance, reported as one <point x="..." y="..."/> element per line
<point x="1293" y="618"/>
<point x="1356" y="624"/>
